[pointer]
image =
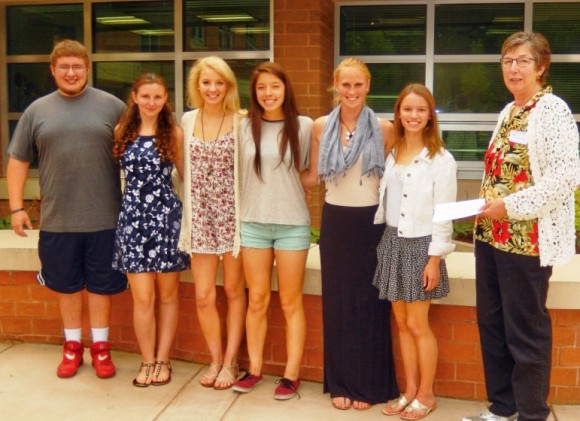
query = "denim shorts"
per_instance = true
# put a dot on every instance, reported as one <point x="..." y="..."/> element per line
<point x="276" y="236"/>
<point x="73" y="261"/>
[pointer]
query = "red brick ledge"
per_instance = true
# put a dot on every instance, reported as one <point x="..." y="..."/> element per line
<point x="30" y="313"/>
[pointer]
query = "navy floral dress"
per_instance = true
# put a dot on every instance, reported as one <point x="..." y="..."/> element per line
<point x="150" y="218"/>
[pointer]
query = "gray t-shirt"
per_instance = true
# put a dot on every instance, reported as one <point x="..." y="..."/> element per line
<point x="72" y="138"/>
<point x="279" y="198"/>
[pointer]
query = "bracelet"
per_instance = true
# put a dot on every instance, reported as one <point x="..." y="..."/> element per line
<point x="17" y="210"/>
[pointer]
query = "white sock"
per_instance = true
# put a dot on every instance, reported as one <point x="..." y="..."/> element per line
<point x="100" y="334"/>
<point x="73" y="334"/>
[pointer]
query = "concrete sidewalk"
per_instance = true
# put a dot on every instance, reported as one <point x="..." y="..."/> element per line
<point x="30" y="390"/>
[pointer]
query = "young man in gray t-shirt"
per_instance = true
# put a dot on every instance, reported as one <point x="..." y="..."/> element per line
<point x="70" y="131"/>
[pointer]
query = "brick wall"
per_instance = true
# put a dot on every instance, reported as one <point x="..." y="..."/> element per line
<point x="304" y="46"/>
<point x="29" y="313"/>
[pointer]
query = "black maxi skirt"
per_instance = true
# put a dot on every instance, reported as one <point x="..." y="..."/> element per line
<point x="358" y="358"/>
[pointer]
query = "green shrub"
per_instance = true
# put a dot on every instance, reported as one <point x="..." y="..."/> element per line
<point x="314" y="235"/>
<point x="5" y="223"/>
<point x="463" y="230"/>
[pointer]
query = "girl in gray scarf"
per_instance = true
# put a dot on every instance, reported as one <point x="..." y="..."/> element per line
<point x="348" y="152"/>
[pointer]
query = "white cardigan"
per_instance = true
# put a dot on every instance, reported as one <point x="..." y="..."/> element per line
<point x="188" y="124"/>
<point x="552" y="137"/>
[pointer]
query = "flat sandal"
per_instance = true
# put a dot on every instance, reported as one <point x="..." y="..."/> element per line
<point x="210" y="375"/>
<point x="148" y="369"/>
<point x="158" y="365"/>
<point x="227" y="375"/>
<point x="396" y="406"/>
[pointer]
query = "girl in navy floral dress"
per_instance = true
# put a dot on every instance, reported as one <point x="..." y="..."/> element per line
<point x="148" y="145"/>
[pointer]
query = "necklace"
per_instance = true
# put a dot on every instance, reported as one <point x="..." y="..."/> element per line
<point x="205" y="142"/>
<point x="349" y="132"/>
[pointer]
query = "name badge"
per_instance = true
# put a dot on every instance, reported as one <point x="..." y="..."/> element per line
<point x="518" y="137"/>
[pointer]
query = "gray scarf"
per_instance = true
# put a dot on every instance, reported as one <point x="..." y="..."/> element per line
<point x="368" y="140"/>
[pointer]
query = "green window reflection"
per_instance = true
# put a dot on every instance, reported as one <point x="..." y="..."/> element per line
<point x="133" y="27"/>
<point x="559" y="23"/>
<point x="470" y="88"/>
<point x="117" y="77"/>
<point x="467" y="145"/>
<point x="35" y="29"/>
<point x="564" y="80"/>
<point x="475" y="28"/>
<point x="242" y="69"/>
<point x="26" y="83"/>
<point x="383" y="30"/>
<point x="226" y="25"/>
<point x="387" y="80"/>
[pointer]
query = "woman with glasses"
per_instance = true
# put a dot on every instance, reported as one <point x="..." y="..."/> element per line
<point x="526" y="226"/>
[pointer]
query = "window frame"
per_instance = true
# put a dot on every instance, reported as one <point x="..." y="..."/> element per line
<point x="178" y="57"/>
<point x="467" y="170"/>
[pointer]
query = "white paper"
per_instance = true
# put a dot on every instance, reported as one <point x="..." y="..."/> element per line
<point x="457" y="210"/>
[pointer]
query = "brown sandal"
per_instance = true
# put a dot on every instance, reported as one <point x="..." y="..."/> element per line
<point x="227" y="377"/>
<point x="148" y="367"/>
<point x="158" y="366"/>
<point x="210" y="375"/>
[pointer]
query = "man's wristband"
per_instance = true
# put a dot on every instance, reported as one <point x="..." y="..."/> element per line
<point x="17" y="210"/>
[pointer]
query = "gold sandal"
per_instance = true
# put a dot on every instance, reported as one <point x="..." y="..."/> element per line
<point x="210" y="375"/>
<point x="396" y="406"/>
<point x="148" y="367"/>
<point x="227" y="377"/>
<point x="158" y="366"/>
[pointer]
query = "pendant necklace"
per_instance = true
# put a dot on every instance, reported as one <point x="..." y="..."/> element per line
<point x="349" y="132"/>
<point x="210" y="166"/>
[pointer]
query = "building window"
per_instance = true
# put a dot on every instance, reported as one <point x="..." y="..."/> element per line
<point x="217" y="26"/>
<point x="388" y="79"/>
<point x="454" y="49"/>
<point x="475" y="28"/>
<point x="35" y="29"/>
<point x="133" y="27"/>
<point x="383" y="30"/>
<point x="124" y="39"/>
<point x="117" y="77"/>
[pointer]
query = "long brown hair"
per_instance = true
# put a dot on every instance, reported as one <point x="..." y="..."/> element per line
<point x="291" y="130"/>
<point x="128" y="128"/>
<point x="431" y="136"/>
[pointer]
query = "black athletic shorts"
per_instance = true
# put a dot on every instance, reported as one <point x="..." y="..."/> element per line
<point x="73" y="261"/>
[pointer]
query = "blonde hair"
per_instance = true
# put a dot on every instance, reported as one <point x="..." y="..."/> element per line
<point x="217" y="64"/>
<point x="348" y="62"/>
<point x="69" y="48"/>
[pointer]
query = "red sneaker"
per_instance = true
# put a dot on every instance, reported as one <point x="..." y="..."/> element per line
<point x="72" y="358"/>
<point x="101" y="355"/>
<point x="247" y="383"/>
<point x="286" y="389"/>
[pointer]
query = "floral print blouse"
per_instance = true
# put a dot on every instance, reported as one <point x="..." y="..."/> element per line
<point x="507" y="170"/>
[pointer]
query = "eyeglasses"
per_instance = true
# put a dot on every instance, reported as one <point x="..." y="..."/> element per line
<point x="521" y="62"/>
<point x="76" y="68"/>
